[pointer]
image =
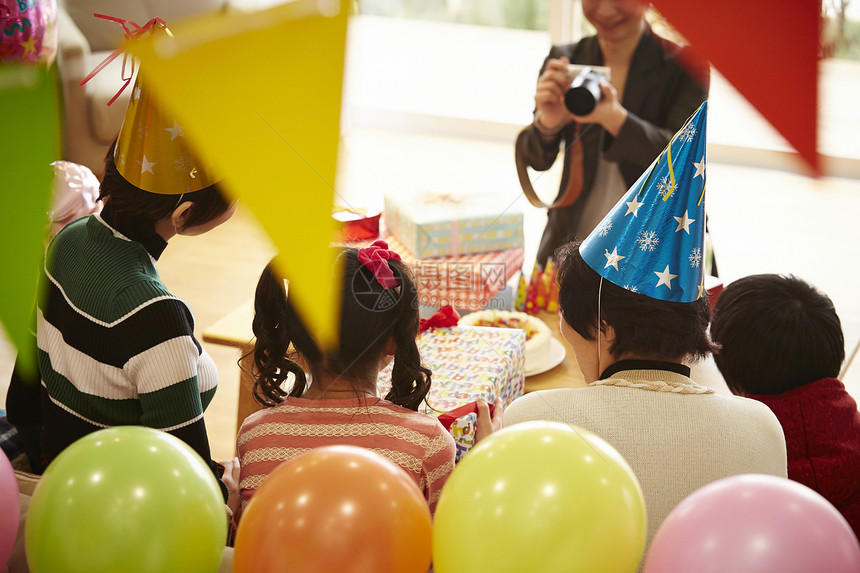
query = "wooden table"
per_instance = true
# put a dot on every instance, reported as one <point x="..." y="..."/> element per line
<point x="234" y="330"/>
<point x="566" y="374"/>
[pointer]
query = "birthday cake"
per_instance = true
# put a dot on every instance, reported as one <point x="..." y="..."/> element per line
<point x="538" y="351"/>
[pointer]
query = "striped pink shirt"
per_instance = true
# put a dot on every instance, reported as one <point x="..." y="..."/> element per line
<point x="414" y="441"/>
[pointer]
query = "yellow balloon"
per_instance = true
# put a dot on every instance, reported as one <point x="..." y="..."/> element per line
<point x="540" y="496"/>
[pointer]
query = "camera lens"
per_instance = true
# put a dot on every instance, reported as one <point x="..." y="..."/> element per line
<point x="583" y="94"/>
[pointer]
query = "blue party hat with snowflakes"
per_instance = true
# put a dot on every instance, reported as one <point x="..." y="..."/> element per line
<point x="652" y="241"/>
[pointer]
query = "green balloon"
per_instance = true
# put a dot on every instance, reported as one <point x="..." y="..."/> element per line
<point x="540" y="496"/>
<point x="126" y="499"/>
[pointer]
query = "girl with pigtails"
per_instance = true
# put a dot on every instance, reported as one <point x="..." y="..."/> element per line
<point x="317" y="398"/>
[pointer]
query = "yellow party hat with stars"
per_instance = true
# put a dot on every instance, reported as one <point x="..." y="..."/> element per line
<point x="152" y="152"/>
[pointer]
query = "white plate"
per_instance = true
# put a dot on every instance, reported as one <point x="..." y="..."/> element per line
<point x="557" y="354"/>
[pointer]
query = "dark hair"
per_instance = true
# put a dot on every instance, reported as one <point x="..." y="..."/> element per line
<point x="643" y="325"/>
<point x="370" y="315"/>
<point x="776" y="333"/>
<point x="131" y="203"/>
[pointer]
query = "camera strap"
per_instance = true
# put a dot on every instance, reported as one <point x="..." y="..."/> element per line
<point x="574" y="178"/>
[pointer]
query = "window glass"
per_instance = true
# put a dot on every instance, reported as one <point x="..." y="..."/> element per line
<point x="519" y="14"/>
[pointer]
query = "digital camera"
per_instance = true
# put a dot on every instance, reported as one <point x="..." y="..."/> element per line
<point x="584" y="91"/>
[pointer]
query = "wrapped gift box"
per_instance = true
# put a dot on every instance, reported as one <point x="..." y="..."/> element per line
<point x="436" y="225"/>
<point x="467" y="363"/>
<point x="463" y="430"/>
<point x="466" y="282"/>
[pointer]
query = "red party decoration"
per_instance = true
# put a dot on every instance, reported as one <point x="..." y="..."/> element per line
<point x="769" y="50"/>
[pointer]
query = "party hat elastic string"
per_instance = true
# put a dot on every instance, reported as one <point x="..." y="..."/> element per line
<point x="599" y="330"/>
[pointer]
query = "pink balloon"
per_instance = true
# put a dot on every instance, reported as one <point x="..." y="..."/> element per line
<point x="10" y="507"/>
<point x="754" y="524"/>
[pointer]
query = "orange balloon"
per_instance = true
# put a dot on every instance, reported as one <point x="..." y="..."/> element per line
<point x="335" y="508"/>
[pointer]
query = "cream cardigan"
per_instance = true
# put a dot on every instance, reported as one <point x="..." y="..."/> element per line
<point x="675" y="442"/>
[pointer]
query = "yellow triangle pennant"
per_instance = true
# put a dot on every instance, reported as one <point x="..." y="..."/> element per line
<point x="259" y="97"/>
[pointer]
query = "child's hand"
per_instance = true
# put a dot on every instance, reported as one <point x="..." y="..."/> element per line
<point x="230" y="477"/>
<point x="487" y="424"/>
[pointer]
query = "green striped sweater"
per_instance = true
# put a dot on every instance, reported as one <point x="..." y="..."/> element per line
<point x="115" y="347"/>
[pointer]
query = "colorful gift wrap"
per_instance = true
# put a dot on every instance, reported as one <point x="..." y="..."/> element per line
<point x="463" y="430"/>
<point x="437" y="225"/>
<point x="466" y="282"/>
<point x="468" y="362"/>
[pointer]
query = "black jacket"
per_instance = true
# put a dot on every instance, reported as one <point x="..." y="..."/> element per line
<point x="660" y="94"/>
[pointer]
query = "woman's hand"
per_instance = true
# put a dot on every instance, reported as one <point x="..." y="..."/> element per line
<point x="608" y="112"/>
<point x="552" y="115"/>
<point x="488" y="424"/>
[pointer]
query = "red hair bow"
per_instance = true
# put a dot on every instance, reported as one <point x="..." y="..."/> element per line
<point x="376" y="257"/>
<point x="445" y="316"/>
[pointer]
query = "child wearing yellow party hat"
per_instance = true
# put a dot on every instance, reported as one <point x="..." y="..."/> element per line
<point x="633" y="307"/>
<point x="116" y="347"/>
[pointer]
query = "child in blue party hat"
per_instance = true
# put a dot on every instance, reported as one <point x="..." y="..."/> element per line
<point x="634" y="309"/>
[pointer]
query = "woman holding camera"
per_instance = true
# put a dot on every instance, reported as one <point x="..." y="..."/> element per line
<point x="654" y="87"/>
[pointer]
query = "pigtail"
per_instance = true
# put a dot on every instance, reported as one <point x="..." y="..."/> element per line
<point x="410" y="381"/>
<point x="272" y="364"/>
<point x="370" y="315"/>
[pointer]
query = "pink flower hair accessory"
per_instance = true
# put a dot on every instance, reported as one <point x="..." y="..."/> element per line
<point x="376" y="257"/>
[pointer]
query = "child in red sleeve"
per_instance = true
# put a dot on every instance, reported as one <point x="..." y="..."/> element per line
<point x="318" y="398"/>
<point x="782" y="344"/>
